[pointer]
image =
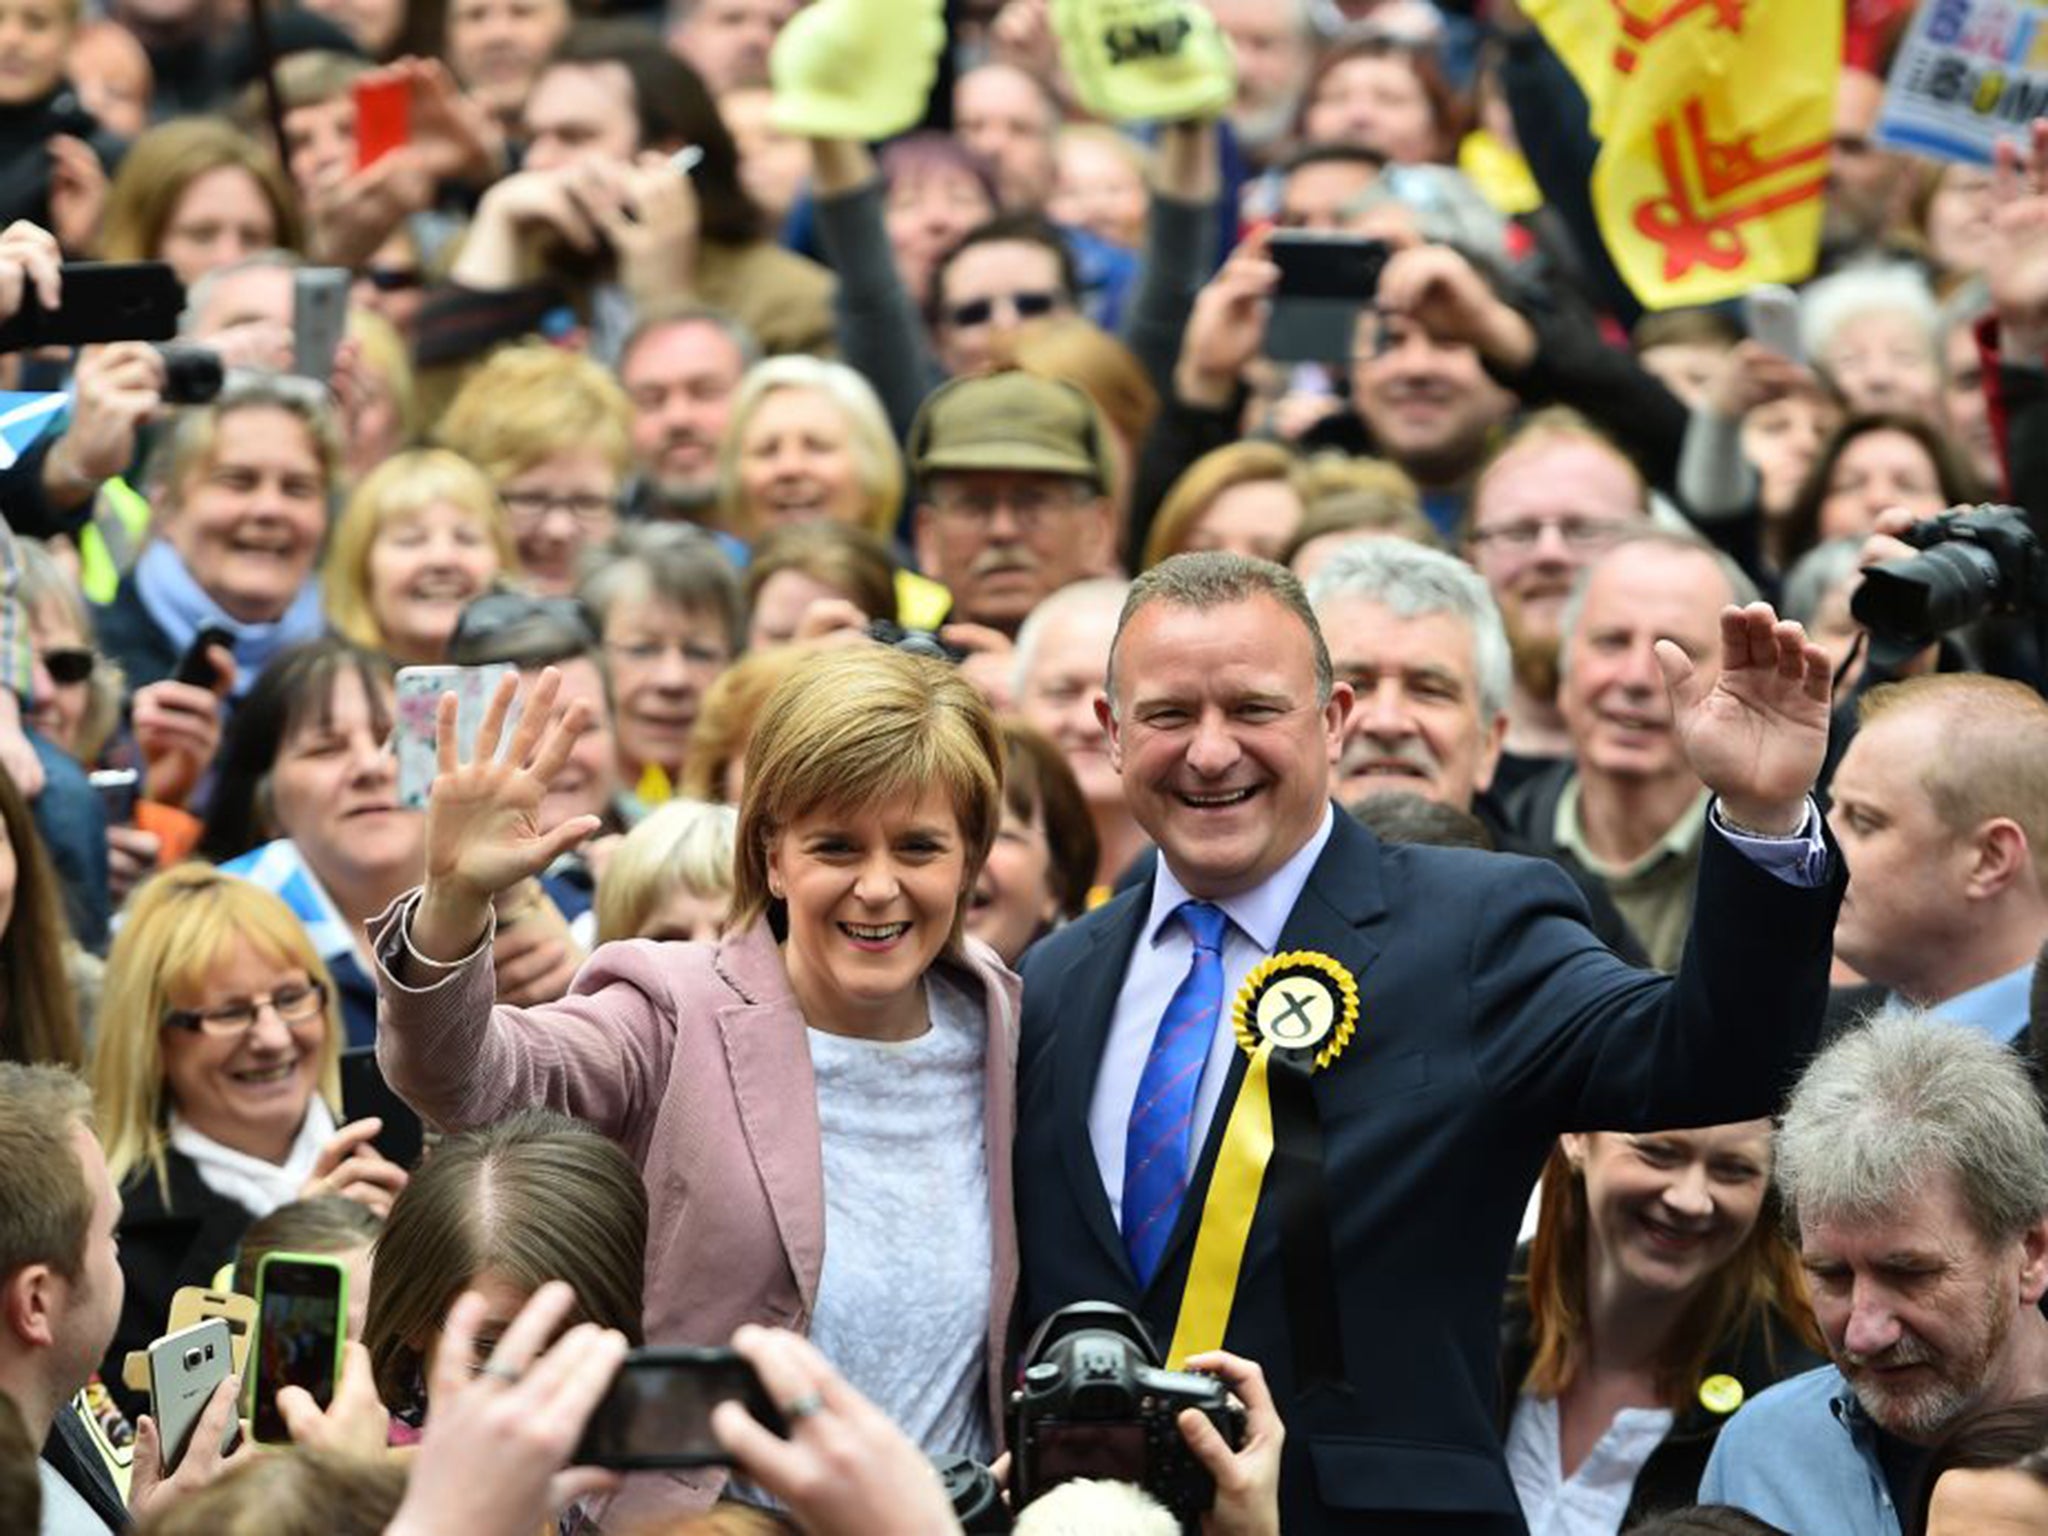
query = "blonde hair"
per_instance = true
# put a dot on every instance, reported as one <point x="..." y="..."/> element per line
<point x="175" y="930"/>
<point x="868" y="434"/>
<point x="195" y="437"/>
<point x="529" y="402"/>
<point x="857" y="725"/>
<point x="686" y="843"/>
<point x="1994" y="745"/>
<point x="405" y="484"/>
<point x="1217" y="471"/>
<point x="160" y="166"/>
<point x="1071" y="350"/>
<point x="726" y="718"/>
<point x="386" y="352"/>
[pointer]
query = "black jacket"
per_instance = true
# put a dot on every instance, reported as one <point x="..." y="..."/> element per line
<point x="1759" y="1355"/>
<point x="166" y="1244"/>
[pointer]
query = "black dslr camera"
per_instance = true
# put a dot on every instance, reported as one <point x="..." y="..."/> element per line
<point x="1975" y="561"/>
<point x="1096" y="1404"/>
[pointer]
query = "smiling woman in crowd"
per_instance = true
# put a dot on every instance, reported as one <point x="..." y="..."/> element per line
<point x="421" y="535"/>
<point x="872" y="1208"/>
<point x="1660" y="1292"/>
<point x="239" y="497"/>
<point x="1042" y="864"/>
<point x="216" y="1082"/>
<point x="808" y="442"/>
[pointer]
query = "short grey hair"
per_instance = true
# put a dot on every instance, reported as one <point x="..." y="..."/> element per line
<point x="1212" y="578"/>
<point x="1902" y="1100"/>
<point x="203" y="288"/>
<point x="1103" y="593"/>
<point x="674" y="563"/>
<point x="1828" y="304"/>
<point x="669" y="317"/>
<point x="1413" y="582"/>
<point x="1741" y="590"/>
<point x="1816" y="573"/>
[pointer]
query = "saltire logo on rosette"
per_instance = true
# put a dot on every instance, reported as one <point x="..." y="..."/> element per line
<point x="1293" y="1017"/>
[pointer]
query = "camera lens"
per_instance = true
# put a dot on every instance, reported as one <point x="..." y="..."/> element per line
<point x="192" y="1359"/>
<point x="1917" y="600"/>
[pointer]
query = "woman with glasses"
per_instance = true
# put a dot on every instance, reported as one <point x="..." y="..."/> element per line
<point x="551" y="430"/>
<point x="239" y="497"/>
<point x="216" y="1086"/>
<point x="667" y="611"/>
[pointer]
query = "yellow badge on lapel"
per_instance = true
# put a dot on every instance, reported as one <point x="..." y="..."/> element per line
<point x="1300" y="1001"/>
<point x="1721" y="1394"/>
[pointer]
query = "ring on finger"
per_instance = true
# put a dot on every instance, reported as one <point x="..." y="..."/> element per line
<point x="799" y="1408"/>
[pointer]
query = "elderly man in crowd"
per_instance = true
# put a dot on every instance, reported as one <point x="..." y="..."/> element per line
<point x="1914" y="1161"/>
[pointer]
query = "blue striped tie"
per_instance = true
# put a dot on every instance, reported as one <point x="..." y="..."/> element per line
<point x="1156" y="1145"/>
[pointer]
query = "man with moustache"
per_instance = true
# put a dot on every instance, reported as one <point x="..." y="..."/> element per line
<point x="1628" y="808"/>
<point x="1550" y="499"/>
<point x="680" y="371"/>
<point x="1013" y="474"/>
<point x="1417" y="636"/>
<point x="1913" y="1161"/>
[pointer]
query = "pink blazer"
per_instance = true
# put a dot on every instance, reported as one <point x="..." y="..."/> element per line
<point x="694" y="1058"/>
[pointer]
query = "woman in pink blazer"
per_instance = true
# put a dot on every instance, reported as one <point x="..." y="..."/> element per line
<point x="822" y="1102"/>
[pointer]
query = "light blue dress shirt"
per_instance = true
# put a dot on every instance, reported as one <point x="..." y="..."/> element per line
<point x="1998" y="1008"/>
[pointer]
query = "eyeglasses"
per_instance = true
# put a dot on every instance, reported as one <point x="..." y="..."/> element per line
<point x="295" y="1005"/>
<point x="532" y="506"/>
<point x="1029" y="305"/>
<point x="1579" y="533"/>
<point x="648" y="652"/>
<point x="69" y="665"/>
<point x="1030" y="505"/>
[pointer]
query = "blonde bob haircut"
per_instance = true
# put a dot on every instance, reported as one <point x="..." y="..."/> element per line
<point x="162" y="164"/>
<point x="174" y="931"/>
<point x="867" y="433"/>
<point x="855" y="726"/>
<point x="1217" y="471"/>
<point x="531" y="401"/>
<point x="683" y="844"/>
<point x="403" y="486"/>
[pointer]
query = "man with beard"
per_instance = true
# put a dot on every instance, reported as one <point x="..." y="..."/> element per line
<point x="1275" y="47"/>
<point x="1553" y="496"/>
<point x="1914" y="1163"/>
<point x="1628" y="809"/>
<point x="681" y="370"/>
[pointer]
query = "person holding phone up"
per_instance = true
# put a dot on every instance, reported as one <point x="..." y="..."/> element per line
<point x="821" y="1103"/>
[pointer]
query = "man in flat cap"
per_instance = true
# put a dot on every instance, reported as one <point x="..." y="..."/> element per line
<point x="1013" y="475"/>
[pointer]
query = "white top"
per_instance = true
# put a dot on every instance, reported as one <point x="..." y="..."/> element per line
<point x="259" y="1187"/>
<point x="1157" y="967"/>
<point x="65" y="1512"/>
<point x="909" y="1250"/>
<point x="1593" y="1500"/>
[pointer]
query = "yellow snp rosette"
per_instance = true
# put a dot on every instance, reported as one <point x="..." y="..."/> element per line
<point x="1293" y="1016"/>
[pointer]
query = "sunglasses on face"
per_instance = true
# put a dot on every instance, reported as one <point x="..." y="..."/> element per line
<point x="69" y="665"/>
<point x="394" y="279"/>
<point x="1032" y="305"/>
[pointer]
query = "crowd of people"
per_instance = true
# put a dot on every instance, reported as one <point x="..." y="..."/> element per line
<point x="798" y="738"/>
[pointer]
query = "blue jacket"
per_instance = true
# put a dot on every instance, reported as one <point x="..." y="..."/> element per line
<point x="1803" y="1456"/>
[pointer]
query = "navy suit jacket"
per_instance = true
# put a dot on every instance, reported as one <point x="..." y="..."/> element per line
<point x="1490" y="1021"/>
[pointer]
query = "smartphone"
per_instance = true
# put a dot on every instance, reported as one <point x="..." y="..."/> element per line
<point x="657" y="1412"/>
<point x="184" y="1369"/>
<point x="383" y="118"/>
<point x="195" y="666"/>
<point x="1770" y="313"/>
<point x="301" y="1324"/>
<point x="1325" y="280"/>
<point x="419" y="697"/>
<point x="319" y="314"/>
<point x="198" y="1303"/>
<point x="100" y="301"/>
<point x="366" y="1096"/>
<point x="118" y="789"/>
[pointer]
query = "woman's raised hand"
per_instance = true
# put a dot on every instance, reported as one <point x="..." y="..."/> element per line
<point x="483" y="816"/>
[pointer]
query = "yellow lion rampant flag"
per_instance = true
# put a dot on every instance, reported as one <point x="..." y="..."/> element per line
<point x="1714" y="119"/>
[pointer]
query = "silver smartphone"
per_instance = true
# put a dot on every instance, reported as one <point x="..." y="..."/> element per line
<point x="184" y="1369"/>
<point x="319" y="316"/>
<point x="1770" y="313"/>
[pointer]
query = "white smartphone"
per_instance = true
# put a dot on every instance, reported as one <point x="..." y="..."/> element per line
<point x="1770" y="313"/>
<point x="319" y="317"/>
<point x="419" y="697"/>
<point x="184" y="1369"/>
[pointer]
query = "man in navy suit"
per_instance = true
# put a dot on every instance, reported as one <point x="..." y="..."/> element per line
<point x="1489" y="1020"/>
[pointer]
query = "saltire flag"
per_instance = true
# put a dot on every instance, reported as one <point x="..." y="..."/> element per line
<point x="24" y="417"/>
<point x="1714" y="119"/>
